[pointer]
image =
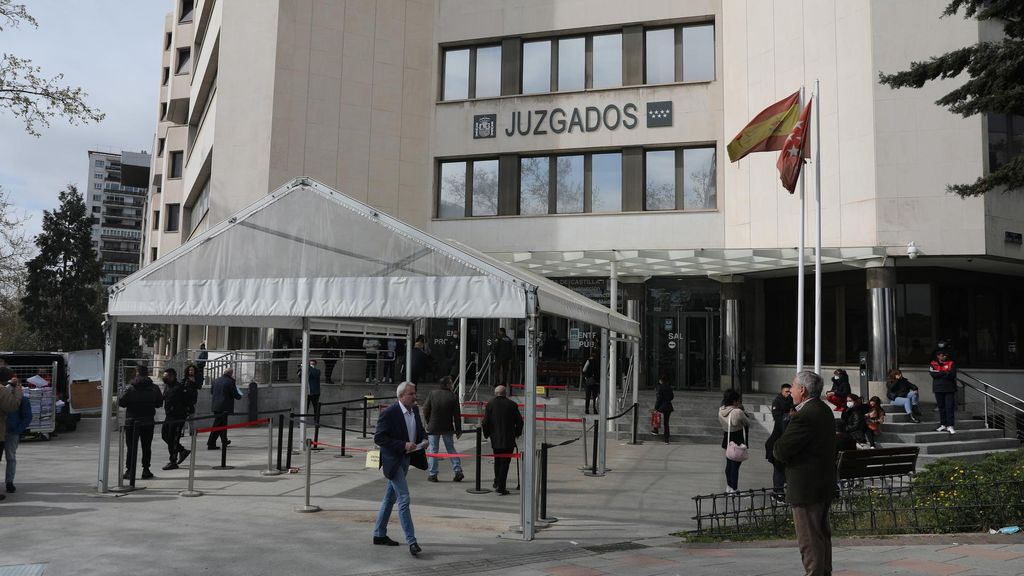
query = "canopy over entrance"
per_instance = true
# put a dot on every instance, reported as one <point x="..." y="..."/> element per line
<point x="307" y="251"/>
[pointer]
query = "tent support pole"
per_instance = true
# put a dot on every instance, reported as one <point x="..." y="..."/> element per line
<point x="109" y="369"/>
<point x="304" y="381"/>
<point x="528" y="510"/>
<point x="602" y="419"/>
<point x="613" y="353"/>
<point x="408" y="352"/>
<point x="631" y="311"/>
<point x="463" y="331"/>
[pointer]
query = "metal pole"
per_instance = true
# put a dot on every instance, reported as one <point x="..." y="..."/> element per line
<point x="291" y="433"/>
<point x="817" y="249"/>
<point x="409" y="339"/>
<point x="800" y="272"/>
<point x="223" y="456"/>
<point x="527" y="494"/>
<point x="463" y="353"/>
<point x="191" y="491"/>
<point x="632" y="312"/>
<point x="109" y="374"/>
<point x="479" y="442"/>
<point x="613" y="348"/>
<point x="544" y="484"/>
<point x="280" y="439"/>
<point x="309" y="468"/>
<point x="366" y="411"/>
<point x="636" y="421"/>
<point x="593" y="459"/>
<point x="601" y="420"/>
<point x="304" y="379"/>
<point x="270" y="471"/>
<point x="344" y="428"/>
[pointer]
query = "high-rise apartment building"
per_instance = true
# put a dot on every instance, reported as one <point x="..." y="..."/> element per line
<point x="586" y="138"/>
<point x="116" y="200"/>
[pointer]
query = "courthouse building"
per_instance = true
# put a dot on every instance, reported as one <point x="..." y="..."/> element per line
<point x="583" y="139"/>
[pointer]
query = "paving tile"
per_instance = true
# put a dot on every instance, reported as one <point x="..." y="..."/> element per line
<point x="573" y="570"/>
<point x="984" y="552"/>
<point x="928" y="567"/>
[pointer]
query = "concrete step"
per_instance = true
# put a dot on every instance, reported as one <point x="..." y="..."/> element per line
<point x="971" y="456"/>
<point x="953" y="446"/>
<point x="931" y="437"/>
<point x="910" y="427"/>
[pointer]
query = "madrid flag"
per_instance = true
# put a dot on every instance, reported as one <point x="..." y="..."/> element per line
<point x="796" y="148"/>
<point x="768" y="130"/>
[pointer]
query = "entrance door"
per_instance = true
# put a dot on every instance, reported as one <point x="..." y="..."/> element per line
<point x="686" y="349"/>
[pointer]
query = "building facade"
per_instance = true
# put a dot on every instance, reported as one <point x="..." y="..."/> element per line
<point x="585" y="140"/>
<point x="115" y="198"/>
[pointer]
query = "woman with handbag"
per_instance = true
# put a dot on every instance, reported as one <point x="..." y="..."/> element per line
<point x="663" y="403"/>
<point x="735" y="433"/>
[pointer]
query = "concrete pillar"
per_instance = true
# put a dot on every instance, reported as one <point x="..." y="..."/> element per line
<point x="109" y="378"/>
<point x="732" y="338"/>
<point x="881" y="285"/>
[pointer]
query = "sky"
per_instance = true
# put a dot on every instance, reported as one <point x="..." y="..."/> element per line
<point x="112" y="50"/>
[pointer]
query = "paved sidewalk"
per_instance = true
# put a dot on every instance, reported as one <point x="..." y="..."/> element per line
<point x="245" y="523"/>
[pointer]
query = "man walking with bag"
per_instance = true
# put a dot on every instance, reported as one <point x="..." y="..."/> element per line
<point x="441" y="415"/>
<point x="503" y="423"/>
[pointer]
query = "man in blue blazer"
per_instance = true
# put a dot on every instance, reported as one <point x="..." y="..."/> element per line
<point x="401" y="437"/>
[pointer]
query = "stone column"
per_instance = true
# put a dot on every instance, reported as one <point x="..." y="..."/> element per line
<point x="732" y="340"/>
<point x="881" y="285"/>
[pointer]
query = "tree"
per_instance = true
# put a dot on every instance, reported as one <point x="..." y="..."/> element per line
<point x="996" y="70"/>
<point x="63" y="294"/>
<point x="28" y="94"/>
<point x="14" y="247"/>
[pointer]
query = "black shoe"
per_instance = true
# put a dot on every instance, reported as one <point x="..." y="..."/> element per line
<point x="208" y="447"/>
<point x="127" y="475"/>
<point x="384" y="541"/>
<point x="915" y="419"/>
<point x="2" y="496"/>
<point x="10" y="488"/>
<point x="170" y="466"/>
<point x="432" y="478"/>
<point x="502" y="492"/>
<point x="458" y="476"/>
<point x="183" y="455"/>
<point x="228" y="442"/>
<point x="146" y="474"/>
<point x="415" y="549"/>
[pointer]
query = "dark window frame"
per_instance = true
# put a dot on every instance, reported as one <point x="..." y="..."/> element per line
<point x="177" y="165"/>
<point x="172" y="218"/>
<point x="471" y="73"/>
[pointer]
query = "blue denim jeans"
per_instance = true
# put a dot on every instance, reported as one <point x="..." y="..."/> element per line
<point x="10" y="447"/>
<point x="907" y="402"/>
<point x="397" y="490"/>
<point x="449" y="445"/>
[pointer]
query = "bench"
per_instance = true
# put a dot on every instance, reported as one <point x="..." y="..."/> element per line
<point x="853" y="465"/>
<point x="565" y="372"/>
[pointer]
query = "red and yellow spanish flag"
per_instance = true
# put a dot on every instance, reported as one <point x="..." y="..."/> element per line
<point x="796" y="148"/>
<point x="768" y="130"/>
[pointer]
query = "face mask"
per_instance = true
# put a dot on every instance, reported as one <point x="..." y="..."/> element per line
<point x="849" y="404"/>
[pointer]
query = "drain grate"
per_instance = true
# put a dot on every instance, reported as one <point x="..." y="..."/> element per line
<point x="616" y="547"/>
<point x="23" y="570"/>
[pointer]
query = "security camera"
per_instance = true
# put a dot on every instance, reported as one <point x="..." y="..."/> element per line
<point x="913" y="251"/>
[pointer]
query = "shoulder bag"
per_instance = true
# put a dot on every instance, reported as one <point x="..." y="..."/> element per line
<point x="738" y="452"/>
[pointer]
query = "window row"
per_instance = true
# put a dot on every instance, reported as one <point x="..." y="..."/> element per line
<point x="599" y="182"/>
<point x="669" y="54"/>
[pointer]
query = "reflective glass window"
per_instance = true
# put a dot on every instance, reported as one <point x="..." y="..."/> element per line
<point x="488" y="71"/>
<point x="698" y="53"/>
<point x="660" y="180"/>
<point x="485" y="188"/>
<point x="606" y="182"/>
<point x="699" y="182"/>
<point x="533" y="185"/>
<point x="452" y="201"/>
<point x="572" y="63"/>
<point x="569" y="184"/>
<point x="607" y="71"/>
<point x="456" y="74"/>
<point x="536" y="67"/>
<point x="660" y="55"/>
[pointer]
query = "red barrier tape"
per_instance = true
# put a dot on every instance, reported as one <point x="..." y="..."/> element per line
<point x="472" y="415"/>
<point x="230" y="426"/>
<point x="551" y="386"/>
<point x="473" y="403"/>
<point x="560" y="419"/>
<point x="442" y="456"/>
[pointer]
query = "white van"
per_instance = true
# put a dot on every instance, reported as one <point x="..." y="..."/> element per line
<point x="77" y="378"/>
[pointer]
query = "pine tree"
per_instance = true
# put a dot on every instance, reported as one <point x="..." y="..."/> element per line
<point x="63" y="295"/>
<point x="996" y="84"/>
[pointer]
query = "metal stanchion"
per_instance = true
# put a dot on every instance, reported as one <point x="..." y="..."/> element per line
<point x="133" y="452"/>
<point x="280" y="439"/>
<point x="566" y="400"/>
<point x="316" y="429"/>
<point x="344" y="426"/>
<point x="636" y="422"/>
<point x="366" y="411"/>
<point x="309" y="455"/>
<point x="479" y="441"/>
<point x="544" y="485"/>
<point x="191" y="491"/>
<point x="270" y="471"/>
<point x="120" y="462"/>
<point x="223" y="455"/>
<point x="593" y="461"/>
<point x="291" y="434"/>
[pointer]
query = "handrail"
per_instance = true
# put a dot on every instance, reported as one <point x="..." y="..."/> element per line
<point x="1001" y="407"/>
<point x="987" y="385"/>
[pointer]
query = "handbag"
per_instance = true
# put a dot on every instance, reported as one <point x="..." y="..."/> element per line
<point x="655" y="420"/>
<point x="737" y="452"/>
<point x="418" y="459"/>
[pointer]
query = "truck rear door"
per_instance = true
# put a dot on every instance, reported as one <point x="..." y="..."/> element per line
<point x="85" y="381"/>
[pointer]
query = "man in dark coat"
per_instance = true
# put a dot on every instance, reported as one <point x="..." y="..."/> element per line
<point x="808" y="449"/>
<point x="201" y="364"/>
<point x="503" y="351"/>
<point x="140" y="400"/>
<point x="663" y="403"/>
<point x="781" y="406"/>
<point x="419" y="363"/>
<point x="591" y="381"/>
<point x="176" y="405"/>
<point x="225" y="392"/>
<point x="502" y="424"/>
<point x="943" y="373"/>
<point x="442" y="416"/>
<point x="400" y="435"/>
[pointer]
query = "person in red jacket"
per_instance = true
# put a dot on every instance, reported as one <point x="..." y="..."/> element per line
<point x="943" y="373"/>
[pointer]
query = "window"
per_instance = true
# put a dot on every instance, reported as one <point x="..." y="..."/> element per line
<point x="456" y="74"/>
<point x="166" y="76"/>
<point x="98" y="163"/>
<point x="572" y="63"/>
<point x="485" y="188"/>
<point x="606" y="182"/>
<point x="660" y="180"/>
<point x="97" y="197"/>
<point x="536" y="67"/>
<point x="699" y="182"/>
<point x="452" y="187"/>
<point x="152" y="254"/>
<point x="97" y="175"/>
<point x="160" y="142"/>
<point x="569" y="184"/>
<point x="660" y="55"/>
<point x="98" y="186"/>
<point x="96" y="209"/>
<point x="1005" y="139"/>
<point x="184" y="60"/>
<point x="173" y="218"/>
<point x="607" y="61"/>
<point x="163" y="110"/>
<point x="488" y="71"/>
<point x="200" y="208"/>
<point x="187" y="7"/>
<point x="167" y="41"/>
<point x="177" y="158"/>
<point x="699" y="53"/>
<point x="156" y="219"/>
<point x="534" y="183"/>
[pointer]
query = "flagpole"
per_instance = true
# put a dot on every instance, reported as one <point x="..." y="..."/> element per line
<point x="817" y="250"/>
<point x="800" y="270"/>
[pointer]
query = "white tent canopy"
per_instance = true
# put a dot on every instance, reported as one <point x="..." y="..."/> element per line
<point x="307" y="256"/>
<point x="307" y="251"/>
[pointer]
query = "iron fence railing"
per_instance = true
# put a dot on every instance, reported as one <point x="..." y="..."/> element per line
<point x="1000" y="409"/>
<point x="885" y="505"/>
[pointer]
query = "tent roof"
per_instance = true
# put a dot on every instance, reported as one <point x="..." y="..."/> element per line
<point x="307" y="250"/>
